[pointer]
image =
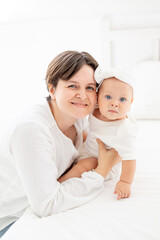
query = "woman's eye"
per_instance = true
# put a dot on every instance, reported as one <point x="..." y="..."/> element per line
<point x="72" y="86"/>
<point x="108" y="96"/>
<point x="91" y="88"/>
<point x="122" y="99"/>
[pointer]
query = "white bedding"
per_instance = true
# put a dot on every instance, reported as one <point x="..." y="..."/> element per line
<point x="105" y="218"/>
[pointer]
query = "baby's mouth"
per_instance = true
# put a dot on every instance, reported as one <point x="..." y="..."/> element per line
<point x="112" y="111"/>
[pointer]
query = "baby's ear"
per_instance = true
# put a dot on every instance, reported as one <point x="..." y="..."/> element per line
<point x="132" y="100"/>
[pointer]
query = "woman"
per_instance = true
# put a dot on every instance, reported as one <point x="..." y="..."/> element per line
<point x="44" y="142"/>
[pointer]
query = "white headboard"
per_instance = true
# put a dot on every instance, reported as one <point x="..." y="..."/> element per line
<point x="136" y="42"/>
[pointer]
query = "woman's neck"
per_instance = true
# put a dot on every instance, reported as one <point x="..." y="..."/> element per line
<point x="64" y="122"/>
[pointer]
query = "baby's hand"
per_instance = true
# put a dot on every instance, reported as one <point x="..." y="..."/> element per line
<point x="122" y="189"/>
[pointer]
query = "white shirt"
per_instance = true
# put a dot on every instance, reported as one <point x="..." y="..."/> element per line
<point x="33" y="155"/>
<point x="120" y="135"/>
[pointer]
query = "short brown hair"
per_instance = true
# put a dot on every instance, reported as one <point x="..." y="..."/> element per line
<point x="66" y="65"/>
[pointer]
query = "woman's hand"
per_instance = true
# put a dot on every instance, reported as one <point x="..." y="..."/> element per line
<point x="106" y="159"/>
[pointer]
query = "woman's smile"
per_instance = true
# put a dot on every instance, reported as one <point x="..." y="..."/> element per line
<point x="79" y="104"/>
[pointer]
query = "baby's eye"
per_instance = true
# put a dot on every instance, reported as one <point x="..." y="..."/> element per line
<point x="122" y="99"/>
<point x="108" y="96"/>
<point x="91" y="88"/>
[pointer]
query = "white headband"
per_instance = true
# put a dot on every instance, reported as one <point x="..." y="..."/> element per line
<point x="121" y="74"/>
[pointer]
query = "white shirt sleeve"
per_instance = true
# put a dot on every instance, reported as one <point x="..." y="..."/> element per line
<point x="34" y="154"/>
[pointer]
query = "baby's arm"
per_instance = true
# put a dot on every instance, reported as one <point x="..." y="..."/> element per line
<point x="82" y="166"/>
<point x="123" y="187"/>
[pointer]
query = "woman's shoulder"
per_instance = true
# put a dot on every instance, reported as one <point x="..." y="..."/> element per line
<point x="34" y="118"/>
<point x="34" y="121"/>
<point x="37" y="113"/>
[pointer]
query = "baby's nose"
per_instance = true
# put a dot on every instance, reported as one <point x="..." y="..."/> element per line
<point x="114" y="104"/>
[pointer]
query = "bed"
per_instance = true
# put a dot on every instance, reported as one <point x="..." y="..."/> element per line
<point x="137" y="217"/>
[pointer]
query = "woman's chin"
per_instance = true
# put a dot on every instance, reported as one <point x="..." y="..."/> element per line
<point x="80" y="114"/>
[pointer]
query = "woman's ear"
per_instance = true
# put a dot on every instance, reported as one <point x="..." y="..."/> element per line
<point x="51" y="91"/>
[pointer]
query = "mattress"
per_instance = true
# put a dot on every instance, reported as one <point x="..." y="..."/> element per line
<point x="137" y="217"/>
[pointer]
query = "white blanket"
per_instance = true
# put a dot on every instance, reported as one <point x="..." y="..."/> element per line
<point x="106" y="218"/>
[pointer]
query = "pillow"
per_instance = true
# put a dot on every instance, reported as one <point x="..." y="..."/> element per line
<point x="146" y="104"/>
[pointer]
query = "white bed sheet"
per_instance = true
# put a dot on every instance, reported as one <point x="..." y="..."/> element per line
<point x="137" y="217"/>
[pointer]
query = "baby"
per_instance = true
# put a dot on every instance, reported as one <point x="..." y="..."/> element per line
<point x="113" y="125"/>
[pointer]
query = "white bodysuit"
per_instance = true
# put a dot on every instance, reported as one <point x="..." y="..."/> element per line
<point x="120" y="135"/>
<point x="33" y="155"/>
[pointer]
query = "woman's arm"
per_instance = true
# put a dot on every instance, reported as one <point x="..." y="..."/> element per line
<point x="82" y="166"/>
<point x="35" y="157"/>
<point x="106" y="160"/>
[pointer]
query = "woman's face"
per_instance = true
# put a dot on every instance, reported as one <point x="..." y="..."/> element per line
<point x="76" y="97"/>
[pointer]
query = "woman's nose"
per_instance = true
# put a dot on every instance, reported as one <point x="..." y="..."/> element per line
<point x="81" y="94"/>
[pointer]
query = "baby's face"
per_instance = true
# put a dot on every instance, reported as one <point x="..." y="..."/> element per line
<point x="114" y="99"/>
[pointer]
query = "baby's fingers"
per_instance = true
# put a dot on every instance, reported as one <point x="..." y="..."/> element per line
<point x="115" y="191"/>
<point x="127" y="195"/>
<point x="118" y="192"/>
<point x="119" y="195"/>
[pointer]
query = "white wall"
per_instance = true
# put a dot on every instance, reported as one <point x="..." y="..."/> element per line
<point x="32" y="32"/>
<point x="32" y="9"/>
